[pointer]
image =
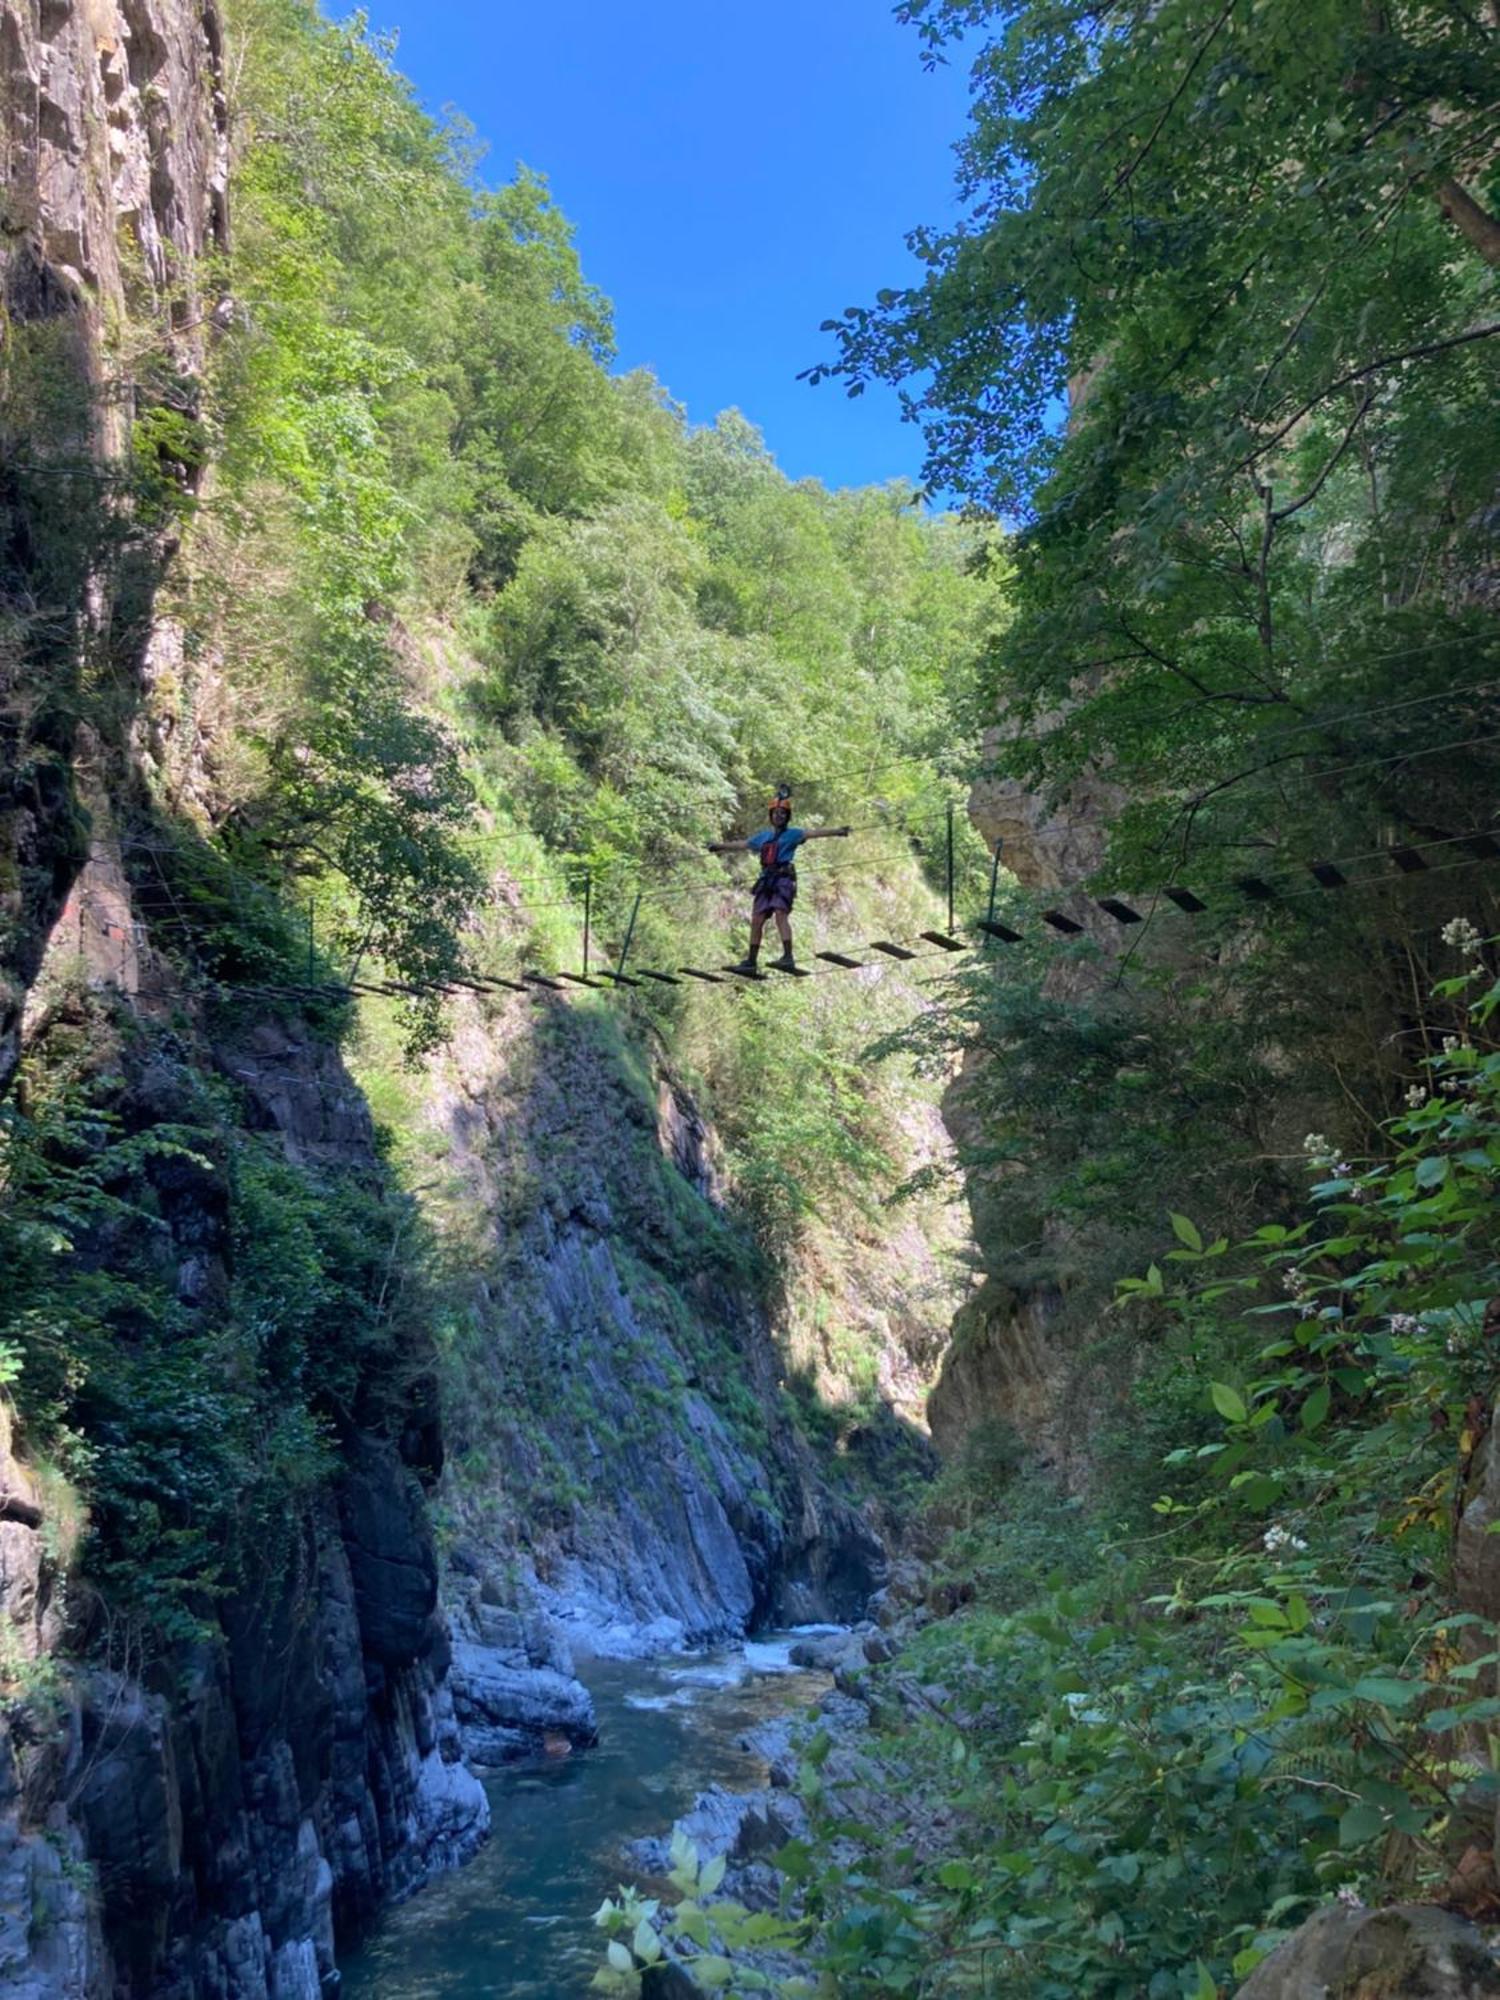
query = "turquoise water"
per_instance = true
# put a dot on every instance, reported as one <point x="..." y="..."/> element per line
<point x="516" y="1923"/>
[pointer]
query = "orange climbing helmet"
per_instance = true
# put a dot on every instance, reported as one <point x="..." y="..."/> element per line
<point x="781" y="803"/>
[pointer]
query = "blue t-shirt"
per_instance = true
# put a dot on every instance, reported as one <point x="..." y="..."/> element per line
<point x="787" y="842"/>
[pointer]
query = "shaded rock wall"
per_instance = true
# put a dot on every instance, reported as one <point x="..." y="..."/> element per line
<point x="219" y="1823"/>
<point x="1007" y="1363"/>
<point x="211" y="1825"/>
<point x="1410" y="1948"/>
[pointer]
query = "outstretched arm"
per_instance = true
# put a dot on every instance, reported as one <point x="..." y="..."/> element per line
<point x="830" y="833"/>
<point x="727" y="846"/>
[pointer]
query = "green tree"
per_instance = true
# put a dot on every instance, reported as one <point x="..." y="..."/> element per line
<point x="1251" y="250"/>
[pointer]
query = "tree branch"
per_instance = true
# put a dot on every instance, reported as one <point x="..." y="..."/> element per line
<point x="1285" y="513"/>
<point x="1429" y="347"/>
<point x="1470" y="220"/>
<point x="1127" y="174"/>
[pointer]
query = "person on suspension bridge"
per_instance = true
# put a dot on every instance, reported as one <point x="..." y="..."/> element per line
<point x="776" y="885"/>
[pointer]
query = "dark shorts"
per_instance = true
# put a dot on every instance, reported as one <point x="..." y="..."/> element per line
<point x="778" y="893"/>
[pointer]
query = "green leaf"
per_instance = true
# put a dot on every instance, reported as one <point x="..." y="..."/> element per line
<point x="1227" y="1402"/>
<point x="1266" y="1613"/>
<point x="1315" y="1409"/>
<point x="1361" y="1822"/>
<point x="1186" y="1232"/>
<point x="1389" y="1692"/>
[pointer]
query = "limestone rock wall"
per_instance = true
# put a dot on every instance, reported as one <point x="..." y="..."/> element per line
<point x="637" y="1385"/>
<point x="113" y="175"/>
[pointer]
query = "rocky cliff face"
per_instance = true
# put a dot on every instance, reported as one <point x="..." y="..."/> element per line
<point x="113" y="165"/>
<point x="215" y="1814"/>
<point x="627" y="1390"/>
<point x="1006" y="1363"/>
<point x="218" y="1822"/>
<point x="213" y="1822"/>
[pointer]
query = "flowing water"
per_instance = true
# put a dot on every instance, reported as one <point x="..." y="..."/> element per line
<point x="516" y="1923"/>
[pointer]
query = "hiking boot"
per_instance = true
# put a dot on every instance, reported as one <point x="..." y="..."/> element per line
<point x="786" y="963"/>
<point x="747" y="966"/>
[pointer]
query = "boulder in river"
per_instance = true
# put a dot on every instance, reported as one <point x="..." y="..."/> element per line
<point x="830" y="1652"/>
<point x="506" y="1711"/>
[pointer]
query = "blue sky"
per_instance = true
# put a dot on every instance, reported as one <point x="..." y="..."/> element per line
<point x="736" y="174"/>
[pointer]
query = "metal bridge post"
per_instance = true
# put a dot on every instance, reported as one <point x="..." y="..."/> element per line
<point x="950" y="865"/>
<point x="629" y="934"/>
<point x="994" y="882"/>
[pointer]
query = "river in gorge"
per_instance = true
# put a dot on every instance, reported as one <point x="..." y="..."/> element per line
<point x="516" y="1924"/>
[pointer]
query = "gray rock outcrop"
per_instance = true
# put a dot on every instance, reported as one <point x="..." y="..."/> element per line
<point x="1411" y="1951"/>
<point x="689" y="1510"/>
<point x="221" y="1823"/>
<point x="113" y="166"/>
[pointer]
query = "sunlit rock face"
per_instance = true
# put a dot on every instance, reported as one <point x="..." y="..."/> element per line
<point x="113" y="169"/>
<point x="116" y="150"/>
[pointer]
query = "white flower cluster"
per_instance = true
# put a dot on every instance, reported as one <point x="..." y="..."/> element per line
<point x="1416" y="1097"/>
<point x="1405" y="1323"/>
<point x="1321" y="1154"/>
<point x="1451" y="1045"/>
<point x="1276" y="1537"/>
<point x="1294" y="1282"/>
<point x="1460" y="933"/>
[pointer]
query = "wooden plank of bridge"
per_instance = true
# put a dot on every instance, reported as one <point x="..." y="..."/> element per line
<point x="941" y="937"/>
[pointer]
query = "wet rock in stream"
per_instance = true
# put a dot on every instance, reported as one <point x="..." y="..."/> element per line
<point x="506" y="1710"/>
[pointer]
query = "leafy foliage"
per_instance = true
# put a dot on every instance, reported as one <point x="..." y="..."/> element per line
<point x="189" y="1322"/>
<point x="1255" y="1689"/>
<point x="1231" y="239"/>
